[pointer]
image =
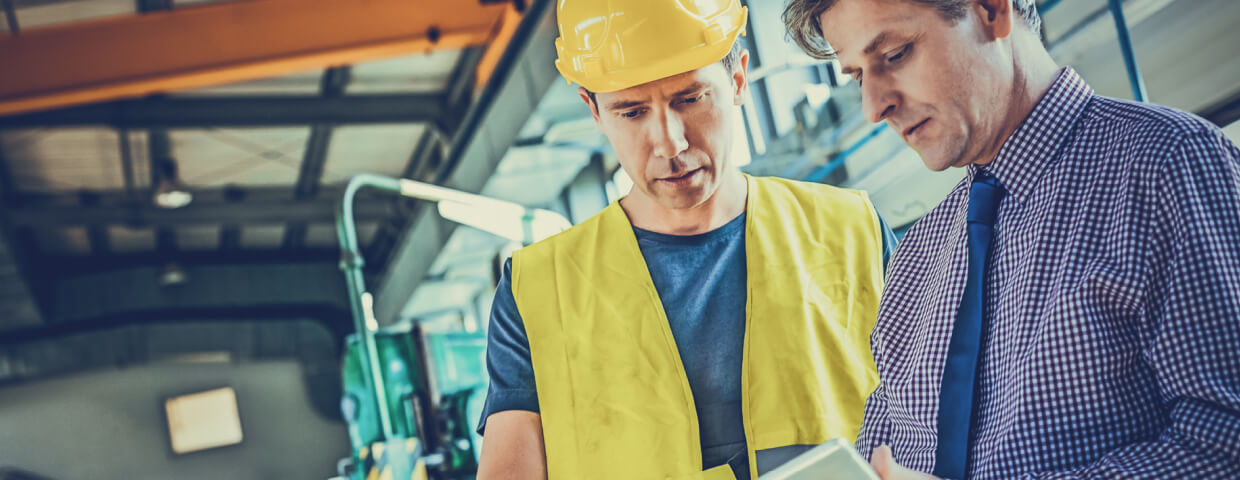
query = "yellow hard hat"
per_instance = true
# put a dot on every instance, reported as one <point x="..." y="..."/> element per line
<point x="609" y="45"/>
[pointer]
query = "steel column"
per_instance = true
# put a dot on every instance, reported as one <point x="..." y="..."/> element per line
<point x="1139" y="92"/>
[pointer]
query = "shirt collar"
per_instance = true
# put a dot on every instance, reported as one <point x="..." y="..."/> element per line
<point x="1025" y="155"/>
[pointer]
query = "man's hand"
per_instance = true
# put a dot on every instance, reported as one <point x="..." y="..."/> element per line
<point x="885" y="465"/>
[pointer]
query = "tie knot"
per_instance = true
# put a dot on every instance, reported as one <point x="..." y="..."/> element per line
<point x="984" y="196"/>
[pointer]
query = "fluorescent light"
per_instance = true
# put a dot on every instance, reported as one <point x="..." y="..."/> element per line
<point x="507" y="220"/>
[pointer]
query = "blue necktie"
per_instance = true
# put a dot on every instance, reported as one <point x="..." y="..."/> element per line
<point x="963" y="353"/>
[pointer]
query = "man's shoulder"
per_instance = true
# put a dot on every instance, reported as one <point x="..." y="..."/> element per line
<point x="1143" y="124"/>
<point x="1149" y="140"/>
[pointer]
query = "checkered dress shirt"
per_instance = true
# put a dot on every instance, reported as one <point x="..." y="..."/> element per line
<point x="1112" y="345"/>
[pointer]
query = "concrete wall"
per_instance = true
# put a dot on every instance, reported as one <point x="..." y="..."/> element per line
<point x="110" y="425"/>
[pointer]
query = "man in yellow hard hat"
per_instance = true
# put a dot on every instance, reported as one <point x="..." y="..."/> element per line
<point x="709" y="325"/>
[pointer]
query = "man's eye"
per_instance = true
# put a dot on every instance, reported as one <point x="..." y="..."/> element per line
<point x="900" y="54"/>
<point x="631" y="114"/>
<point x="690" y="100"/>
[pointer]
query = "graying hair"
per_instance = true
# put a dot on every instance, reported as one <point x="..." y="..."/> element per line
<point x="801" y="20"/>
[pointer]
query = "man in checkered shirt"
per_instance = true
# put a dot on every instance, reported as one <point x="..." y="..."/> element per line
<point x="1109" y="304"/>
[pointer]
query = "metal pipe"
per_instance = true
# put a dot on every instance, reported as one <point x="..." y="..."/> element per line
<point x="361" y="302"/>
<point x="131" y="187"/>
<point x="1125" y="44"/>
<point x="10" y="14"/>
<point x="821" y="172"/>
<point x="1047" y="6"/>
<point x="753" y="125"/>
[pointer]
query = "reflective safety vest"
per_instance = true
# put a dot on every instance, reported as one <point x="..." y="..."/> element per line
<point x="614" y="398"/>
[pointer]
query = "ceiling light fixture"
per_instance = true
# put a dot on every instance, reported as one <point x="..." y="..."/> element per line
<point x="172" y="275"/>
<point x="170" y="191"/>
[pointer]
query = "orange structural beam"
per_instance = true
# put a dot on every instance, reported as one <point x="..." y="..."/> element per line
<point x="230" y="42"/>
<point x="506" y="28"/>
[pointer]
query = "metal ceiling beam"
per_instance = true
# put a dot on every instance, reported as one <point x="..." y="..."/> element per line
<point x="90" y="295"/>
<point x="137" y="55"/>
<point x="159" y="151"/>
<point x="165" y="241"/>
<point x="208" y="208"/>
<point x="1099" y="28"/>
<point x="10" y="15"/>
<point x="334" y="82"/>
<point x="96" y="235"/>
<point x="427" y="155"/>
<point x="230" y="237"/>
<point x="586" y="195"/>
<point x="760" y="100"/>
<point x="100" y="242"/>
<point x="425" y="159"/>
<point x="244" y="111"/>
<point x="230" y="233"/>
<point x="497" y="45"/>
<point x="127" y="170"/>
<point x="18" y="306"/>
<point x="463" y="76"/>
<point x="521" y="77"/>
<point x="159" y="144"/>
<point x="1225" y="113"/>
<point x="153" y="5"/>
<point x="132" y="198"/>
<point x="237" y="196"/>
<point x="71" y="265"/>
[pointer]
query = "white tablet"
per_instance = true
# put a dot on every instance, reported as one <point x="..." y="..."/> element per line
<point x="834" y="459"/>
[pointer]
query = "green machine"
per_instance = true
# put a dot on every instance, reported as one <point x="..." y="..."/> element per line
<point x="411" y="397"/>
<point x="435" y="387"/>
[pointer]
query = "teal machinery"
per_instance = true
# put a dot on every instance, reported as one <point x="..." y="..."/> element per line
<point x="411" y="397"/>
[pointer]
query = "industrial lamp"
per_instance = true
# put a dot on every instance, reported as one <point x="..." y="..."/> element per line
<point x="170" y="191"/>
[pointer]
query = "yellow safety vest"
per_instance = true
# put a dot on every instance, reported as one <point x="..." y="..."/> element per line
<point x="614" y="398"/>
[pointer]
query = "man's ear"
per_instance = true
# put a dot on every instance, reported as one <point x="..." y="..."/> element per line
<point x="996" y="17"/>
<point x="585" y="97"/>
<point x="740" y="77"/>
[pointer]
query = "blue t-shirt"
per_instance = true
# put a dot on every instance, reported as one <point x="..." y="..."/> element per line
<point x="701" y="281"/>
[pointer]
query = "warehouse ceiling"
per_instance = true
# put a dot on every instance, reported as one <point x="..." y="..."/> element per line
<point x="264" y="161"/>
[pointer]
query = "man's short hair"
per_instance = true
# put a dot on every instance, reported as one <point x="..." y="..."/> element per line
<point x="801" y="20"/>
<point x="728" y="61"/>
